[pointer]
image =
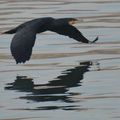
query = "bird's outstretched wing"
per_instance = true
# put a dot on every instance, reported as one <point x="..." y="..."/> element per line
<point x="72" y="32"/>
<point x="22" y="44"/>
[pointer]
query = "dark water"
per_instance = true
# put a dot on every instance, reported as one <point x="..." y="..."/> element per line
<point x="64" y="79"/>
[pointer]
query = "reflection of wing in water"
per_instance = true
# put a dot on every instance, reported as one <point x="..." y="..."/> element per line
<point x="55" y="89"/>
<point x="22" y="83"/>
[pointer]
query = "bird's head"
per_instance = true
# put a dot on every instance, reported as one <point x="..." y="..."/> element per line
<point x="63" y="21"/>
<point x="72" y="21"/>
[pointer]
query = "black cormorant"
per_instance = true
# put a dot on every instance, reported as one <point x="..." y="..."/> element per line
<point x="25" y="35"/>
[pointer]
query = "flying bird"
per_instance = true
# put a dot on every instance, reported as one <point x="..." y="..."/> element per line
<point x="25" y="35"/>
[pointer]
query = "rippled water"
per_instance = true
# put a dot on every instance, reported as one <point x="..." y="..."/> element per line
<point x="64" y="79"/>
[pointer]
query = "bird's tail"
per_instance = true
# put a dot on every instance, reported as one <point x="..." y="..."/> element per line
<point x="12" y="31"/>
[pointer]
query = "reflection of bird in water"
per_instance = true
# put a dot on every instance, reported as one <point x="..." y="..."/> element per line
<point x="24" y="39"/>
<point x="55" y="89"/>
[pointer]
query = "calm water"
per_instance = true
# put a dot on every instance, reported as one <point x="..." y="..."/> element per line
<point x="64" y="79"/>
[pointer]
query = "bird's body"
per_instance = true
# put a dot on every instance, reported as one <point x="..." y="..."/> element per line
<point x="25" y="35"/>
<point x="38" y="25"/>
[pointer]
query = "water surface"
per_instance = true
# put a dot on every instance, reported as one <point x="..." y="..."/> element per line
<point x="64" y="79"/>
